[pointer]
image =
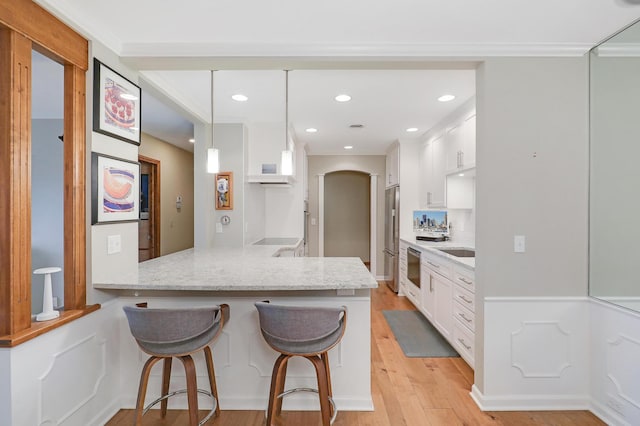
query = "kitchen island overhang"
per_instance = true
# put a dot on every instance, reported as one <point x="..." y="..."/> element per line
<point x="243" y="360"/>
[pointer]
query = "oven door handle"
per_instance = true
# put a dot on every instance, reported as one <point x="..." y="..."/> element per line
<point x="413" y="251"/>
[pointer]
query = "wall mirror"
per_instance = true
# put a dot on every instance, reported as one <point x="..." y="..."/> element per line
<point x="614" y="181"/>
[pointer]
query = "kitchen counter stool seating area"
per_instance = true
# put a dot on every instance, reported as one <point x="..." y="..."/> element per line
<point x="305" y="331"/>
<point x="168" y="333"/>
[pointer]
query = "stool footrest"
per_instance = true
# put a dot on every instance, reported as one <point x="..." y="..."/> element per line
<point x="181" y="391"/>
<point x="312" y="390"/>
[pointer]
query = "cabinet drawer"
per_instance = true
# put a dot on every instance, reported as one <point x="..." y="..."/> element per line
<point x="464" y="316"/>
<point x="413" y="293"/>
<point x="464" y="297"/>
<point x="464" y="342"/>
<point x="438" y="265"/>
<point x="465" y="278"/>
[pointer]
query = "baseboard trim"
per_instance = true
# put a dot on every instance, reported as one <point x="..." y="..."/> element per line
<point x="107" y="414"/>
<point x="607" y="415"/>
<point x="530" y="402"/>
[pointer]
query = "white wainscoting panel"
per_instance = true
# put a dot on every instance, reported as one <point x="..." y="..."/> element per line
<point x="68" y="376"/>
<point x="536" y="354"/>
<point x="615" y="363"/>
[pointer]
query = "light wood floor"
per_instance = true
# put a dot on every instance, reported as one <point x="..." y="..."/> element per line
<point x="406" y="391"/>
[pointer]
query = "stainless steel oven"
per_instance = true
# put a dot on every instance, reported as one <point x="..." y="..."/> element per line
<point x="413" y="266"/>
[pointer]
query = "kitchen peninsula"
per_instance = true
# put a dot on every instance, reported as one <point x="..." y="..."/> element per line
<point x="240" y="277"/>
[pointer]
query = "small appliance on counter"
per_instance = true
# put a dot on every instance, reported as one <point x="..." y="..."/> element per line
<point x="435" y="238"/>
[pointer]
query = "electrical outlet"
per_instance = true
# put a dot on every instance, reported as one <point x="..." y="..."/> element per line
<point x="114" y="244"/>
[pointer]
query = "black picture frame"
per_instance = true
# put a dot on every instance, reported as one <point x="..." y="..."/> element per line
<point x="115" y="189"/>
<point x="116" y="104"/>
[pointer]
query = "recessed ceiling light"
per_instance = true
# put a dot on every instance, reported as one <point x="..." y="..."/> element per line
<point x="461" y="174"/>
<point x="128" y="96"/>
<point x="348" y="147"/>
<point x="192" y="140"/>
<point x="343" y="98"/>
<point x="412" y="129"/>
<point x="311" y="130"/>
<point x="446" y="98"/>
<point x="239" y="97"/>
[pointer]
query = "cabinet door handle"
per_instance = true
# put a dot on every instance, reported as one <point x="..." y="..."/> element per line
<point x="429" y="197"/>
<point x="464" y="344"/>
<point x="389" y="177"/>
<point x="433" y="264"/>
<point x="430" y="284"/>
<point x="465" y="281"/>
<point x="464" y="317"/>
<point x="464" y="298"/>
<point x="461" y="158"/>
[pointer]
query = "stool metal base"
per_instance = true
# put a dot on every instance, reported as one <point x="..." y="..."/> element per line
<point x="181" y="391"/>
<point x="294" y="390"/>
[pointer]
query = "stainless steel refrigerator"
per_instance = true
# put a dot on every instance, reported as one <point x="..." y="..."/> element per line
<point x="391" y="237"/>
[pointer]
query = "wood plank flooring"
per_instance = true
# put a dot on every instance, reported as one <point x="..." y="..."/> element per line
<point x="406" y="391"/>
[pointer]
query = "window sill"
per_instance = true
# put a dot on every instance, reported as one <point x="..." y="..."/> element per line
<point x="39" y="328"/>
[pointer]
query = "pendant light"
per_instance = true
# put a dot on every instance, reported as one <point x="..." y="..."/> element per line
<point x="213" y="159"/>
<point x="287" y="154"/>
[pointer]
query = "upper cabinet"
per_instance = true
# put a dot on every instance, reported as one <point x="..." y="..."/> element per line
<point x="393" y="166"/>
<point x="433" y="173"/>
<point x="461" y="145"/>
<point x="448" y="150"/>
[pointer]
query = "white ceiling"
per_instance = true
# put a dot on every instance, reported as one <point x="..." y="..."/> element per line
<point x="191" y="37"/>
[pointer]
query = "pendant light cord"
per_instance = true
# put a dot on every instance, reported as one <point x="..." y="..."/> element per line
<point x="286" y="110"/>
<point x="212" y="71"/>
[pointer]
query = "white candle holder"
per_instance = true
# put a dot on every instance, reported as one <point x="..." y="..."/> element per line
<point x="47" y="297"/>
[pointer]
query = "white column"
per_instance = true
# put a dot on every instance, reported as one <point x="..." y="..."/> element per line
<point x="373" y="237"/>
<point x="321" y="215"/>
<point x="203" y="189"/>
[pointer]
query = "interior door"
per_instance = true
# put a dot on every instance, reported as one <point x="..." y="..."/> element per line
<point x="149" y="223"/>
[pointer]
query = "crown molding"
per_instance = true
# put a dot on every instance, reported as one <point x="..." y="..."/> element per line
<point x="321" y="50"/>
<point x="619" y="50"/>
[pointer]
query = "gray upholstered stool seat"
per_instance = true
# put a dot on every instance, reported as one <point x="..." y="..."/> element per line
<point x="305" y="331"/>
<point x="168" y="333"/>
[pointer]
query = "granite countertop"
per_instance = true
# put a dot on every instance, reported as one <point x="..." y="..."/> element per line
<point x="251" y="268"/>
<point x="432" y="247"/>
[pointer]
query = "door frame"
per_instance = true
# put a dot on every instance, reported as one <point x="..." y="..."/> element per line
<point x="154" y="186"/>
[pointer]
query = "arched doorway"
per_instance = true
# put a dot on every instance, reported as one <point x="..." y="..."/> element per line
<point x="347" y="215"/>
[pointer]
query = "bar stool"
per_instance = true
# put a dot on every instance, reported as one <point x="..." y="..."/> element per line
<point x="168" y="333"/>
<point x="305" y="331"/>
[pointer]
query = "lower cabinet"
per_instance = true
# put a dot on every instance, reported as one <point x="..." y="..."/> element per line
<point x="446" y="298"/>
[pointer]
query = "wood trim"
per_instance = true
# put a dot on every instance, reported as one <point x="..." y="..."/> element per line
<point x="39" y="328"/>
<point x="15" y="181"/>
<point x="60" y="42"/>
<point x="75" y="289"/>
<point x="156" y="209"/>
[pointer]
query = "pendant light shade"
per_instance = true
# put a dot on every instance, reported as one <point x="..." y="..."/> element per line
<point x="287" y="155"/>
<point x="213" y="158"/>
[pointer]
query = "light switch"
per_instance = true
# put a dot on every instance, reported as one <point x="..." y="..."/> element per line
<point x="518" y="244"/>
<point x="114" y="244"/>
<point x="219" y="228"/>
<point x="313" y="221"/>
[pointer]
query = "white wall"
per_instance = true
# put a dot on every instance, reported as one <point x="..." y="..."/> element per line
<point x="546" y="344"/>
<point x="47" y="207"/>
<point x="101" y="267"/>
<point x="229" y="139"/>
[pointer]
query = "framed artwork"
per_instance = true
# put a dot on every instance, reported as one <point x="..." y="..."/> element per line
<point x="115" y="189"/>
<point x="224" y="191"/>
<point x="116" y="104"/>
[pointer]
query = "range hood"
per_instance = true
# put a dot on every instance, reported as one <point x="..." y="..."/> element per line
<point x="271" y="179"/>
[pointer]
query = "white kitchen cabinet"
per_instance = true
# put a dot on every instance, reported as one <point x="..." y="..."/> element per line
<point x="427" y="293"/>
<point x="433" y="173"/>
<point x="460" y="141"/>
<point x="438" y="290"/>
<point x="393" y="166"/>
